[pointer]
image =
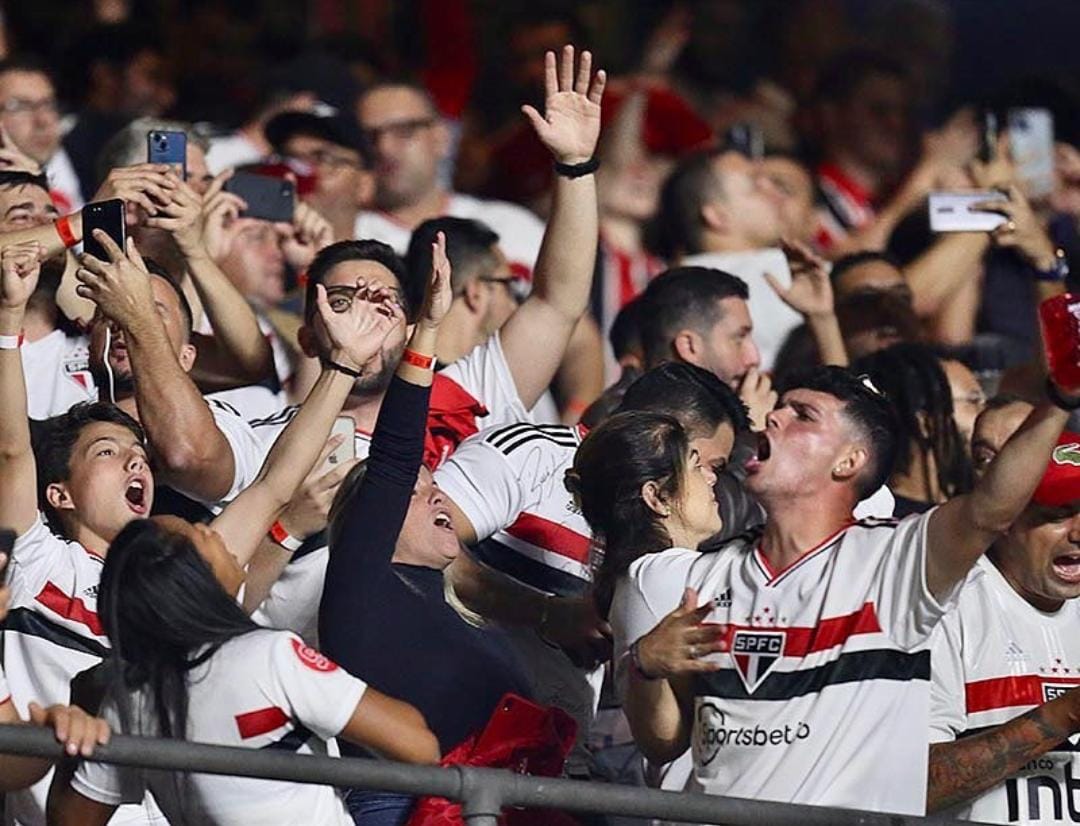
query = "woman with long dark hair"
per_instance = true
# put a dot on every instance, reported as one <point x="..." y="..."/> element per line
<point x="932" y="463"/>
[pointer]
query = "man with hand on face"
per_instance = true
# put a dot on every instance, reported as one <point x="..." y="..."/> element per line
<point x="1005" y="713"/>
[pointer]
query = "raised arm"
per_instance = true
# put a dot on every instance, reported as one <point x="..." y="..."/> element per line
<point x="963" y="528"/>
<point x="237" y="347"/>
<point x="969" y="766"/>
<point x="569" y="128"/>
<point x="357" y="334"/>
<point x="20" y="265"/>
<point x="811" y="295"/>
<point x="193" y="453"/>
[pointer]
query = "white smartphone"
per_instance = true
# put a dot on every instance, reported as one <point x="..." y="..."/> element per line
<point x="1031" y="141"/>
<point x="346" y="427"/>
<point x="952" y="212"/>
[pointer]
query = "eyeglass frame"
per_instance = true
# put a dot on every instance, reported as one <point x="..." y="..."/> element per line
<point x="22" y="106"/>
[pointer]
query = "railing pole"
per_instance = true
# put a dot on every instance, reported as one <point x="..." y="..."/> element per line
<point x="481" y="803"/>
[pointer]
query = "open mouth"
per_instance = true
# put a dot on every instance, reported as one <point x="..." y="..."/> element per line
<point x="761" y="455"/>
<point x="444" y="522"/>
<point x="135" y="494"/>
<point x="1067" y="567"/>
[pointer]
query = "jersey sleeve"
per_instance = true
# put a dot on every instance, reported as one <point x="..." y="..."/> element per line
<point x="947" y="705"/>
<point x="485" y="375"/>
<point x="321" y="694"/>
<point x="108" y="783"/>
<point x="37" y="556"/>
<point x="247" y="450"/>
<point x="484" y="483"/>
<point x="907" y="611"/>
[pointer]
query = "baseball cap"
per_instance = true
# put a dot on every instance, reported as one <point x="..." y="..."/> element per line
<point x="1060" y="484"/>
<point x="324" y="122"/>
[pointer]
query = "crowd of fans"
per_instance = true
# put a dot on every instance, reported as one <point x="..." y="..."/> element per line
<point x="675" y="449"/>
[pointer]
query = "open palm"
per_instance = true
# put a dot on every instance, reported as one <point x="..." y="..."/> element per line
<point x="570" y="125"/>
<point x="810" y="293"/>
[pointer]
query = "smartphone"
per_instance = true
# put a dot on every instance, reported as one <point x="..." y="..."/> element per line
<point x="306" y="179"/>
<point x="108" y="216"/>
<point x="343" y="426"/>
<point x="952" y="212"/>
<point x="168" y="147"/>
<point x="1031" y="139"/>
<point x="748" y="139"/>
<point x="988" y="136"/>
<point x="270" y="199"/>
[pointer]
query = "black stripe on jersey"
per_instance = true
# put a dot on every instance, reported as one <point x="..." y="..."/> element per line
<point x="567" y="441"/>
<point x="281" y="417"/>
<point x="497" y="437"/>
<point x="524" y="569"/>
<point x="1064" y="746"/>
<point x="853" y="667"/>
<point x="293" y="741"/>
<point x="33" y="624"/>
<point x="228" y="408"/>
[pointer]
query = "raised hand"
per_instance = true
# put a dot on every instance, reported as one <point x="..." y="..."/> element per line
<point x="1023" y="231"/>
<point x="358" y="328"/>
<point x="681" y="641"/>
<point x="13" y="159"/>
<point x="810" y="293"/>
<point x="120" y="286"/>
<point x="570" y="125"/>
<point x="20" y="266"/>
<point x="304" y="237"/>
<point x="439" y="294"/>
<point x="147" y="184"/>
<point x="756" y="392"/>
<point x="181" y="216"/>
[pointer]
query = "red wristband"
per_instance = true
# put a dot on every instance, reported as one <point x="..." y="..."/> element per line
<point x="285" y="539"/>
<point x="417" y="359"/>
<point x="63" y="229"/>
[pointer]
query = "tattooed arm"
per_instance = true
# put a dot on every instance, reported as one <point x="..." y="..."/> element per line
<point x="967" y="767"/>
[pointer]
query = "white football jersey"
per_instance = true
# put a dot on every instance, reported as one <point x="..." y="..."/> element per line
<point x="520" y="231"/>
<point x="263" y="690"/>
<point x="997" y="657"/>
<point x="52" y="633"/>
<point x="5" y="693"/>
<point x="293" y="601"/>
<point x="508" y="481"/>
<point x="57" y="371"/>
<point x="823" y="691"/>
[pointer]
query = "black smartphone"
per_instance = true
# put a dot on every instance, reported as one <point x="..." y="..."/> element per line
<point x="107" y="216"/>
<point x="168" y="147"/>
<point x="270" y="199"/>
<point x="747" y="139"/>
<point x="988" y="136"/>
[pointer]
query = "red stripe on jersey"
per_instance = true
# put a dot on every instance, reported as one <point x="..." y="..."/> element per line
<point x="800" y="640"/>
<point x="70" y="608"/>
<point x="253" y="723"/>
<point x="773" y="576"/>
<point x="5" y="700"/>
<point x="551" y="536"/>
<point x="1005" y="692"/>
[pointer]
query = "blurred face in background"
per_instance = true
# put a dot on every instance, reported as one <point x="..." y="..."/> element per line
<point x="631" y="190"/>
<point x="793" y="187"/>
<point x="872" y="126"/>
<point x="29" y="113"/>
<point x="750" y="202"/>
<point x="968" y="398"/>
<point x="340" y="176"/>
<point x="255" y="263"/>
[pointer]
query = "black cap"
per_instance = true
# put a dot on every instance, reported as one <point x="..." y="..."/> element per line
<point x="337" y="128"/>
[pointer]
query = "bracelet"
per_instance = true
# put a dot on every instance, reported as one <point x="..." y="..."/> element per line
<point x="63" y="229"/>
<point x="12" y="342"/>
<point x="417" y="359"/>
<point x="577" y="170"/>
<point x="1059" y="400"/>
<point x="283" y="538"/>
<point x="1058" y="272"/>
<point x="341" y="368"/>
<point x="635" y="663"/>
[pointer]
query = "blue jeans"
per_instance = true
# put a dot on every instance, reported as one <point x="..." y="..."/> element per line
<point x="378" y="808"/>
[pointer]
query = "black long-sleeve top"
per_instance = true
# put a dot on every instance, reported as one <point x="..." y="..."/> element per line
<point x="389" y="623"/>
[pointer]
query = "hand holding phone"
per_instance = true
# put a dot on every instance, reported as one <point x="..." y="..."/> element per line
<point x="269" y="199"/>
<point x="107" y="216"/>
<point x="957" y="212"/>
<point x="169" y="148"/>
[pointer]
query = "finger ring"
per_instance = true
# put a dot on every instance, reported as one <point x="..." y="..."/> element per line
<point x="693" y="652"/>
<point x="1010" y="226"/>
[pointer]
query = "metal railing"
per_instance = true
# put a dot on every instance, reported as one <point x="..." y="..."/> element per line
<point x="482" y="792"/>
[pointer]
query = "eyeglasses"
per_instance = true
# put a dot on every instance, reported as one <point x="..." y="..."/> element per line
<point x="402" y="130"/>
<point x="341" y="298"/>
<point x="21" y="106"/>
<point x="320" y="157"/>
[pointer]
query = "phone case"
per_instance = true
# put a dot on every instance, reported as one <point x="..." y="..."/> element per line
<point x="1031" y="140"/>
<point x="270" y="199"/>
<point x="951" y="212"/>
<point x="108" y="216"/>
<point x="167" y="147"/>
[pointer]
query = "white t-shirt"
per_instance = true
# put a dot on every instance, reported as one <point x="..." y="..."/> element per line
<point x="258" y="401"/>
<point x="508" y="481"/>
<point x="57" y="371"/>
<point x="231" y="151"/>
<point x="64" y="185"/>
<point x="293" y="601"/>
<point x="5" y="693"/>
<point x="262" y="690"/>
<point x="520" y="231"/>
<point x="997" y="657"/>
<point x="52" y="633"/>
<point x="773" y="319"/>
<point x="823" y="696"/>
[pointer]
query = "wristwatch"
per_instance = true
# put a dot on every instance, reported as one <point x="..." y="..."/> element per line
<point x="1058" y="271"/>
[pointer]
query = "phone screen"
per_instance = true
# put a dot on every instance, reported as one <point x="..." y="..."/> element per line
<point x="107" y="216"/>
<point x="1031" y="140"/>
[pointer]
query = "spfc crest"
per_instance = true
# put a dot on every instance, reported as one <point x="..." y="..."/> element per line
<point x="755" y="653"/>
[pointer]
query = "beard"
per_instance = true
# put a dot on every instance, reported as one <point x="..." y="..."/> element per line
<point x="123" y="383"/>
<point x="375" y="383"/>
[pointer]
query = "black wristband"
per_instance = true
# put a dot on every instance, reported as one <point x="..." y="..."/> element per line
<point x="635" y="664"/>
<point x="577" y="170"/>
<point x="341" y="368"/>
<point x="1064" y="402"/>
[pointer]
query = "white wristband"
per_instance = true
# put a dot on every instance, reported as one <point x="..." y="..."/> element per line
<point x="285" y="539"/>
<point x="11" y="342"/>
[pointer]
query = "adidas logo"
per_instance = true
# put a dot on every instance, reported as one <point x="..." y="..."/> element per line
<point x="723" y="600"/>
<point x="1014" y="653"/>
